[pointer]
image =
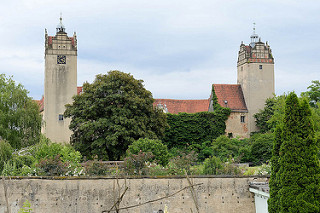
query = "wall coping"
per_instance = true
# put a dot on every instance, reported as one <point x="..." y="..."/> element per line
<point x="128" y="177"/>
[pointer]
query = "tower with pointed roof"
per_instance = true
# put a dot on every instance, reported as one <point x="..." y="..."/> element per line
<point x="60" y="83"/>
<point x="255" y="75"/>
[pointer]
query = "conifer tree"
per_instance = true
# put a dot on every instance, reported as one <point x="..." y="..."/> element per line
<point x="294" y="184"/>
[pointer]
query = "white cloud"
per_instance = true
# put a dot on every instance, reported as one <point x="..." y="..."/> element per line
<point x="179" y="48"/>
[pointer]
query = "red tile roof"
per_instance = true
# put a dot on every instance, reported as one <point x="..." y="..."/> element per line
<point x="232" y="93"/>
<point x="173" y="106"/>
<point x="79" y="90"/>
<point x="189" y="106"/>
<point x="40" y="103"/>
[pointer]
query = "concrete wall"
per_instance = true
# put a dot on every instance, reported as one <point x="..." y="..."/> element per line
<point x="216" y="194"/>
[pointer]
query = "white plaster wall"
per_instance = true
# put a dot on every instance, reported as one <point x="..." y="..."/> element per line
<point x="257" y="85"/>
<point x="60" y="87"/>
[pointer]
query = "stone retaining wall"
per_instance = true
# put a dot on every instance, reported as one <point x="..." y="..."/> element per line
<point x="92" y="195"/>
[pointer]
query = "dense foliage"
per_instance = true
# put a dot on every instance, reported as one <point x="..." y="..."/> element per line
<point x="156" y="147"/>
<point x="111" y="113"/>
<point x="270" y="116"/>
<point x="5" y="153"/>
<point x="20" y="119"/>
<point x="295" y="179"/>
<point x="314" y="93"/>
<point x="188" y="131"/>
<point x="261" y="148"/>
<point x="44" y="158"/>
<point x="195" y="131"/>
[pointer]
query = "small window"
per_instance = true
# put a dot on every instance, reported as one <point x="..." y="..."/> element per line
<point x="60" y="117"/>
<point x="230" y="135"/>
<point x="260" y="67"/>
<point x="242" y="118"/>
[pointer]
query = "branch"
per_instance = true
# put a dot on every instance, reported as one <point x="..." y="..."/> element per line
<point x="117" y="202"/>
<point x="192" y="192"/>
<point x="151" y="201"/>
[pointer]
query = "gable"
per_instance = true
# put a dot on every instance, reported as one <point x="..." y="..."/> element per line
<point x="231" y="96"/>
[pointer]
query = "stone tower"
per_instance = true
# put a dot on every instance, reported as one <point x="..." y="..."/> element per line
<point x="60" y="83"/>
<point x="255" y="75"/>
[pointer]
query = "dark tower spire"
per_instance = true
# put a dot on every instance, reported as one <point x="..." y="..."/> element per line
<point x="254" y="37"/>
<point x="60" y="27"/>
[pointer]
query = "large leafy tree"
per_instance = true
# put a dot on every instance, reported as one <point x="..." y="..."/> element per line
<point x="20" y="119"/>
<point x="313" y="93"/>
<point x="295" y="179"/>
<point x="111" y="113"/>
<point x="269" y="117"/>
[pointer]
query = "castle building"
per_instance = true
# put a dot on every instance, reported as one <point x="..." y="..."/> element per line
<point x="256" y="76"/>
<point x="255" y="83"/>
<point x="60" y="83"/>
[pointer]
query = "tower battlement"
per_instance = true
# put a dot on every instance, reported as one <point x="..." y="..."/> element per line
<point x="61" y="41"/>
<point x="258" y="53"/>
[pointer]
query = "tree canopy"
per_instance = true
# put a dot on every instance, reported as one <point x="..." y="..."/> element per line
<point x="111" y="113"/>
<point x="20" y="119"/>
<point x="295" y="177"/>
<point x="313" y="93"/>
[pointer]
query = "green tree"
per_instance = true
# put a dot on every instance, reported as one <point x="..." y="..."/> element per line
<point x="5" y="153"/>
<point x="313" y="93"/>
<point x="268" y="118"/>
<point x="224" y="148"/>
<point x="20" y="119"/>
<point x="111" y="113"/>
<point x="295" y="177"/>
<point x="156" y="147"/>
<point x="261" y="148"/>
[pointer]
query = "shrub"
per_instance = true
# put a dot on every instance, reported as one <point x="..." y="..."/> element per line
<point x="224" y="148"/>
<point x="95" y="168"/>
<point x="182" y="162"/>
<point x="156" y="147"/>
<point x="52" y="166"/>
<point x="136" y="164"/>
<point x="25" y="161"/>
<point x="212" y="166"/>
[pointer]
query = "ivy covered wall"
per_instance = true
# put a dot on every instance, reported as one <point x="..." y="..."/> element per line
<point x="186" y="129"/>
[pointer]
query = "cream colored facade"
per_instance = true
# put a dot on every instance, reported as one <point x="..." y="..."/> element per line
<point x="60" y="83"/>
<point x="256" y="76"/>
<point x="235" y="127"/>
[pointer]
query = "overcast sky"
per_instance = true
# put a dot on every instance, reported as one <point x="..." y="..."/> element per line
<point x="178" y="47"/>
